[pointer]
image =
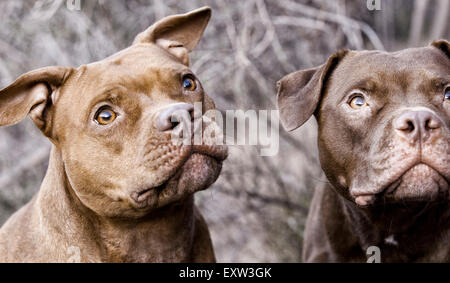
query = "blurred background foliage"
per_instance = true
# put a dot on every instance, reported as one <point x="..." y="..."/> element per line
<point x="257" y="209"/>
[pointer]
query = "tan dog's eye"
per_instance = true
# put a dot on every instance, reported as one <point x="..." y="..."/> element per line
<point x="105" y="116"/>
<point x="189" y="83"/>
<point x="357" y="102"/>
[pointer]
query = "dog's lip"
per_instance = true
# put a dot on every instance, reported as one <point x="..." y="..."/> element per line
<point x="365" y="199"/>
<point x="217" y="152"/>
<point x="390" y="188"/>
<point x="141" y="196"/>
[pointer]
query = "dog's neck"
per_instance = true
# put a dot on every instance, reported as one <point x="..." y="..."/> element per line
<point x="164" y="235"/>
<point x="403" y="227"/>
<point x="399" y="217"/>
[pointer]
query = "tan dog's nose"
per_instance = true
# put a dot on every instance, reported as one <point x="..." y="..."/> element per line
<point x="417" y="125"/>
<point x="173" y="115"/>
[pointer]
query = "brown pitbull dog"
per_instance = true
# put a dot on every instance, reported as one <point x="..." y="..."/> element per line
<point x="117" y="188"/>
<point x="384" y="131"/>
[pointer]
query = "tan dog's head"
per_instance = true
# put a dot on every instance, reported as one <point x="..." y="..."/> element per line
<point x="384" y="121"/>
<point x="111" y="120"/>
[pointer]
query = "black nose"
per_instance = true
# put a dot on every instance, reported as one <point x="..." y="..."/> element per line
<point x="417" y="125"/>
<point x="173" y="115"/>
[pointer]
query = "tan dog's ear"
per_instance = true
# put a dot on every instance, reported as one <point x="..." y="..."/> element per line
<point x="443" y="45"/>
<point x="31" y="94"/>
<point x="178" y="34"/>
<point x="299" y="92"/>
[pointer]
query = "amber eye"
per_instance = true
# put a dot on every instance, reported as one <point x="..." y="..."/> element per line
<point x="357" y="102"/>
<point x="189" y="83"/>
<point x="105" y="116"/>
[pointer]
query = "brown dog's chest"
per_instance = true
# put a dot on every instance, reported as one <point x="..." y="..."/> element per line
<point x="403" y="234"/>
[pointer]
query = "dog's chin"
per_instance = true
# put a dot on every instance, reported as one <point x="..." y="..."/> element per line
<point x="420" y="184"/>
<point x="197" y="173"/>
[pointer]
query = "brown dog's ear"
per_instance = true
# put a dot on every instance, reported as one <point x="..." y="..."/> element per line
<point x="299" y="92"/>
<point x="443" y="45"/>
<point x="31" y="94"/>
<point x="178" y="34"/>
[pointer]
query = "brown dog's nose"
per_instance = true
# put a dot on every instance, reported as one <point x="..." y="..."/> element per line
<point x="417" y="125"/>
<point x="173" y="115"/>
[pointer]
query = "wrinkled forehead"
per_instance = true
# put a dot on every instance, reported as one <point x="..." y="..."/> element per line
<point x="141" y="68"/>
<point x="404" y="69"/>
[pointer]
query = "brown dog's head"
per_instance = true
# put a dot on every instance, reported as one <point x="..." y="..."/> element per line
<point x="384" y="121"/>
<point x="112" y="120"/>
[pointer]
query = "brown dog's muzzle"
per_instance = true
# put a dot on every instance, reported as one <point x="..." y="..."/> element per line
<point x="425" y="179"/>
<point x="417" y="158"/>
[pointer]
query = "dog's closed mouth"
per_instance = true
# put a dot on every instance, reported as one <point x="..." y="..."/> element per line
<point x="141" y="196"/>
<point x="202" y="161"/>
<point x="420" y="182"/>
<point x="390" y="189"/>
<point x="218" y="152"/>
<point x="215" y="152"/>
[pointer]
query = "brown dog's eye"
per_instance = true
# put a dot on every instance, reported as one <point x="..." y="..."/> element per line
<point x="357" y="102"/>
<point x="105" y="116"/>
<point x="189" y="83"/>
<point x="447" y="94"/>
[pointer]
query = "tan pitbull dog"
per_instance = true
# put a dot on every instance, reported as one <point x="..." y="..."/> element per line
<point x="384" y="132"/>
<point x="117" y="188"/>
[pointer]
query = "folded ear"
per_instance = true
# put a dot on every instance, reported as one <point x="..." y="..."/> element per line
<point x="443" y="45"/>
<point x="31" y="94"/>
<point x="178" y="34"/>
<point x="299" y="92"/>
